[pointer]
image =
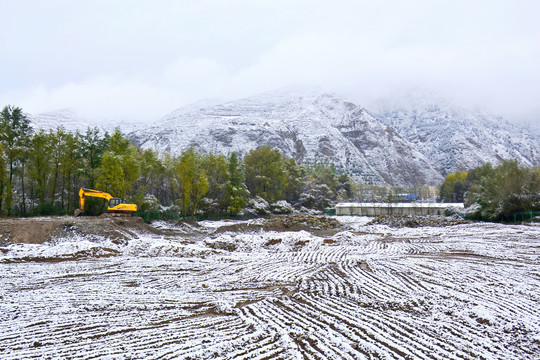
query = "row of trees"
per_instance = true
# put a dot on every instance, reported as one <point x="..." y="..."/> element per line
<point x="495" y="193"/>
<point x="41" y="172"/>
<point x="196" y="182"/>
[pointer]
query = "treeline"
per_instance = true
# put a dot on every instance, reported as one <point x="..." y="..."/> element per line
<point x="494" y="193"/>
<point x="41" y="172"/>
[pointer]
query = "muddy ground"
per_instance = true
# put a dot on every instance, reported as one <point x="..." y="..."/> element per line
<point x="287" y="287"/>
<point x="42" y="229"/>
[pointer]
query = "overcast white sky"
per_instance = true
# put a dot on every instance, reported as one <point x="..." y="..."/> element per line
<point x="143" y="59"/>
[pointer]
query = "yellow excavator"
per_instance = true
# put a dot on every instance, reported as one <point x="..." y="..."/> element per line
<point x="114" y="205"/>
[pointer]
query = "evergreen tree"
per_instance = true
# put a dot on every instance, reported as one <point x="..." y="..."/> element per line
<point x="40" y="167"/>
<point x="236" y="190"/>
<point x="295" y="180"/>
<point x="320" y="186"/>
<point x="193" y="181"/>
<point x="345" y="187"/>
<point x="265" y="174"/>
<point x="15" y="132"/>
<point x="170" y="191"/>
<point x="93" y="145"/>
<point x="3" y="183"/>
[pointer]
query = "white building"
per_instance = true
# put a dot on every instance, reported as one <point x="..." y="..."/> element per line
<point x="376" y="209"/>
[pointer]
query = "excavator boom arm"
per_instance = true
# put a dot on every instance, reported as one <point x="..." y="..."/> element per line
<point x="92" y="193"/>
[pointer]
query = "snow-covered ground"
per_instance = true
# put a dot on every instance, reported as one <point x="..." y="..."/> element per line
<point x="369" y="292"/>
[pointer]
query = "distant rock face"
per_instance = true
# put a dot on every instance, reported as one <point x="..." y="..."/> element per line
<point x="311" y="127"/>
<point x="455" y="138"/>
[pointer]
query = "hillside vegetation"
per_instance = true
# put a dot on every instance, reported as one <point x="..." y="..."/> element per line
<point x="494" y="193"/>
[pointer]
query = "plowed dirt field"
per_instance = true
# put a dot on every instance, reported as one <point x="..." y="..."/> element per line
<point x="246" y="290"/>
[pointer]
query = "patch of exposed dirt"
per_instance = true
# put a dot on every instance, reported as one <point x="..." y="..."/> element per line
<point x="221" y="245"/>
<point x="83" y="254"/>
<point x="399" y="221"/>
<point x="43" y="229"/>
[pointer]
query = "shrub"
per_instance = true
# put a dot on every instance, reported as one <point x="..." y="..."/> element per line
<point x="281" y="207"/>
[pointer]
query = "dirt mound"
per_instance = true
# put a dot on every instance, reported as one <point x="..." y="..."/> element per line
<point x="320" y="225"/>
<point x="121" y="229"/>
<point x="301" y="222"/>
<point x="40" y="230"/>
<point x="399" y="221"/>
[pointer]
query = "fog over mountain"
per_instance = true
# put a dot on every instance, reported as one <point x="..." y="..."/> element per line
<point x="454" y="137"/>
<point x="136" y="61"/>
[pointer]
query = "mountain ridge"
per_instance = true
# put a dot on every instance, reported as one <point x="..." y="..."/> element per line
<point x="408" y="141"/>
<point x="456" y="137"/>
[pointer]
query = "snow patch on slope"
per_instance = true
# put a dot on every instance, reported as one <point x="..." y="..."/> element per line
<point x="454" y="137"/>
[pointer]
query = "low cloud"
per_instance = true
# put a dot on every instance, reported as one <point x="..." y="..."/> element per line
<point x="142" y="62"/>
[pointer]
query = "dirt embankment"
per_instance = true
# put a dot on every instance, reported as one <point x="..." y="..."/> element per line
<point x="43" y="229"/>
<point x="317" y="225"/>
<point x="121" y="229"/>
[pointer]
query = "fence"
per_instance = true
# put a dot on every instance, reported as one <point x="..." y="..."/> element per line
<point x="526" y="216"/>
<point x="516" y="218"/>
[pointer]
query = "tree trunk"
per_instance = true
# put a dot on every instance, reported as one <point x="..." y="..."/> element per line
<point x="23" y="208"/>
<point x="55" y="179"/>
<point x="62" y="196"/>
<point x="1" y="195"/>
<point x="11" y="173"/>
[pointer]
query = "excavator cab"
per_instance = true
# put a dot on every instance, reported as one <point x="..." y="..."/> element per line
<point x="117" y="206"/>
<point x="114" y="202"/>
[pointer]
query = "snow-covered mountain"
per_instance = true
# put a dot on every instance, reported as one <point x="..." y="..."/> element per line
<point x="71" y="121"/>
<point x="412" y="139"/>
<point x="310" y="126"/>
<point x="454" y="137"/>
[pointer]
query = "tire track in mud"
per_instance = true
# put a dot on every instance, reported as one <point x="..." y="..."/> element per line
<point x="402" y="296"/>
<point x="398" y="279"/>
<point x="472" y="279"/>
